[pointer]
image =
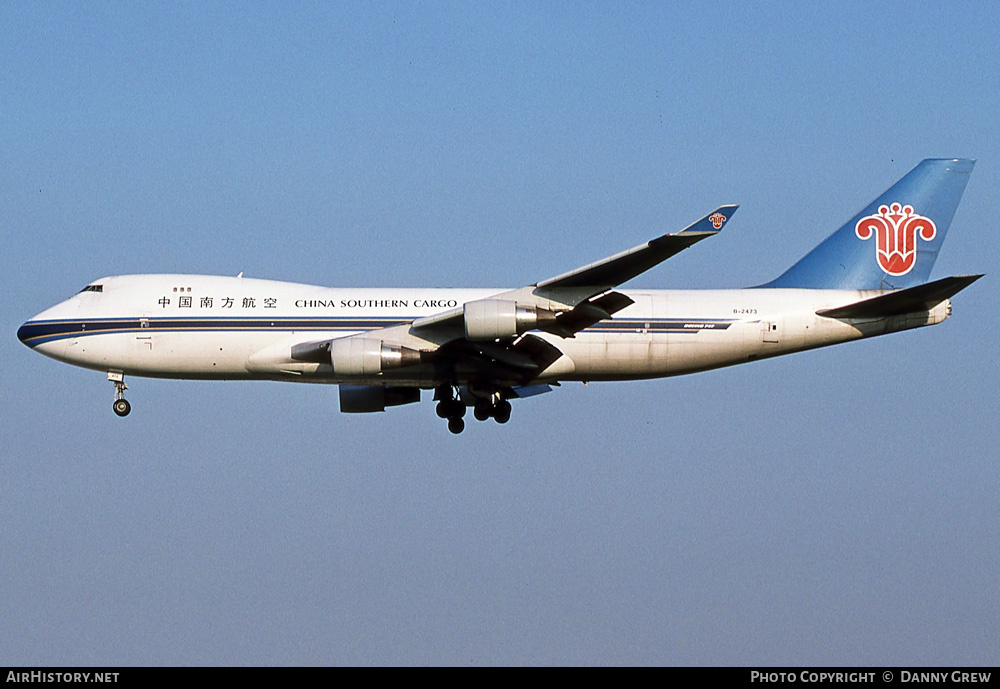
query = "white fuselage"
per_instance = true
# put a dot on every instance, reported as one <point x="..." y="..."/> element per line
<point x="189" y="326"/>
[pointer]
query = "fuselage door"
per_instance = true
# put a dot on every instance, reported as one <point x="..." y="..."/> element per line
<point x="771" y="330"/>
<point x="144" y="336"/>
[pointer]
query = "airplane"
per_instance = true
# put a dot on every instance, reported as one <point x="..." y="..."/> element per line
<point x="481" y="348"/>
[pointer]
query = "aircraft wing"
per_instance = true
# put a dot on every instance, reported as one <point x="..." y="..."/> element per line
<point x="490" y="339"/>
<point x="614" y="270"/>
<point x="572" y="301"/>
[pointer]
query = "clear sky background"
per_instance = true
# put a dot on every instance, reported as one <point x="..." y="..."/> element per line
<point x="835" y="507"/>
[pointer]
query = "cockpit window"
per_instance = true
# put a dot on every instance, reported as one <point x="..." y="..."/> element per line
<point x="93" y="288"/>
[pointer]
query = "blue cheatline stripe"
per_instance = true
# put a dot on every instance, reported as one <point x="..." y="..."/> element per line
<point x="34" y="333"/>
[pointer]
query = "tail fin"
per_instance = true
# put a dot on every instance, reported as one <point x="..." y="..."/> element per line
<point x="893" y="242"/>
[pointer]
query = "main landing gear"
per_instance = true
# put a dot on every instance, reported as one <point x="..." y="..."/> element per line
<point x="121" y="405"/>
<point x="493" y="406"/>
<point x="449" y="407"/>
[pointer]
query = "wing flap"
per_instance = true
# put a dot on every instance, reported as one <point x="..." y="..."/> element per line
<point x="514" y="362"/>
<point x="585" y="314"/>
<point x="529" y="390"/>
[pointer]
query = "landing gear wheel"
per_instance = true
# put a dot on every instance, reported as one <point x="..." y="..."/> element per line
<point x="483" y="409"/>
<point x="121" y="405"/>
<point x="502" y="411"/>
<point x="442" y="409"/>
<point x="449" y="407"/>
<point x="456" y="425"/>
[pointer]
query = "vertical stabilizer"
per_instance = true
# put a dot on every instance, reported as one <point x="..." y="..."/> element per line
<point x="893" y="242"/>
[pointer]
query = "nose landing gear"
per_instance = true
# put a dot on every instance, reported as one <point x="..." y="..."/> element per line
<point x="121" y="405"/>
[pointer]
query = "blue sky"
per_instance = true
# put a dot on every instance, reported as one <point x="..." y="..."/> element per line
<point x="832" y="507"/>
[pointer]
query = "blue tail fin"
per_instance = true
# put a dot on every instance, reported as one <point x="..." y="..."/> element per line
<point x="893" y="242"/>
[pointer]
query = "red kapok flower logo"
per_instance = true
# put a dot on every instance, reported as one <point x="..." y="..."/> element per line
<point x="895" y="229"/>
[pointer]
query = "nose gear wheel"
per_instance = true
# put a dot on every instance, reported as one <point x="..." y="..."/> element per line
<point x="121" y="405"/>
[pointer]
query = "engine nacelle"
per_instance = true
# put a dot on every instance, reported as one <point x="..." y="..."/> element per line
<point x="493" y="319"/>
<point x="362" y="399"/>
<point x="366" y="356"/>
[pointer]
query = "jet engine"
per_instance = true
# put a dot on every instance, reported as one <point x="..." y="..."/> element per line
<point x="366" y="356"/>
<point x="362" y="399"/>
<point x="493" y="319"/>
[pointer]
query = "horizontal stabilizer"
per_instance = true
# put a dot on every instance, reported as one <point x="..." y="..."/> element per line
<point x="910" y="300"/>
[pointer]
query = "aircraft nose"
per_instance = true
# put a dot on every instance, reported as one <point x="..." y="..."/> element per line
<point x="24" y="332"/>
<point x="30" y="332"/>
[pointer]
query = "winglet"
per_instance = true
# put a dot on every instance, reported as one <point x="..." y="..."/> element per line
<point x="711" y="223"/>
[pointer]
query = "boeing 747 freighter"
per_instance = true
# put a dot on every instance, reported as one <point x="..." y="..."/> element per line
<point x="481" y="348"/>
